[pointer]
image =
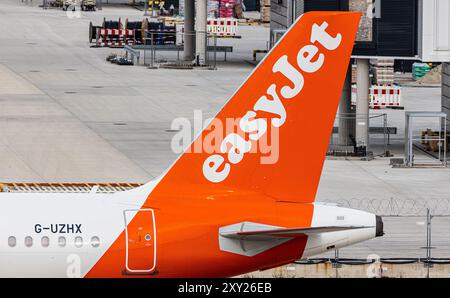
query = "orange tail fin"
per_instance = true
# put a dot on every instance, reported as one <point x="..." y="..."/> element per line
<point x="283" y="116"/>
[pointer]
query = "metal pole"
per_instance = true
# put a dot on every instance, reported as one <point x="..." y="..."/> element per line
<point x="445" y="141"/>
<point x="146" y="8"/>
<point x="384" y="133"/>
<point x="201" y="28"/>
<point x="345" y="113"/>
<point x="410" y="144"/>
<point x="362" y="103"/>
<point x="406" y="149"/>
<point x="151" y="49"/>
<point x="215" y="51"/>
<point x="336" y="259"/>
<point x="440" y="138"/>
<point x="428" y="242"/>
<point x="145" y="51"/>
<point x="207" y="49"/>
<point x="153" y="8"/>
<point x="189" y="30"/>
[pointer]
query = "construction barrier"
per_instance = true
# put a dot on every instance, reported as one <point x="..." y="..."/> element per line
<point x="116" y="34"/>
<point x="114" y="37"/>
<point x="222" y="26"/>
<point x="381" y="97"/>
<point x="385" y="96"/>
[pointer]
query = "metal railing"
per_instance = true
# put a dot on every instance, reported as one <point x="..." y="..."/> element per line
<point x="155" y="42"/>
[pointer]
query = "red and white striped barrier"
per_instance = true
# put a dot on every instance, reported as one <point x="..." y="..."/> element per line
<point x="117" y="32"/>
<point x="114" y="37"/>
<point x="385" y="96"/>
<point x="382" y="97"/>
<point x="222" y="26"/>
<point x="114" y="43"/>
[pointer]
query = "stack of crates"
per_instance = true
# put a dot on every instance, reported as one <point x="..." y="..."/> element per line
<point x="420" y="70"/>
<point x="265" y="11"/>
<point x="383" y="71"/>
<point x="226" y="8"/>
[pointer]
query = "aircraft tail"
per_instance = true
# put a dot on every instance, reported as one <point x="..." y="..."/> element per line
<point x="271" y="137"/>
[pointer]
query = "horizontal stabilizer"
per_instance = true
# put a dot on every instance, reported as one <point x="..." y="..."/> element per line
<point x="287" y="232"/>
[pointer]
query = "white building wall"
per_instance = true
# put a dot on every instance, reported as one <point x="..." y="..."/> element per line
<point x="434" y="30"/>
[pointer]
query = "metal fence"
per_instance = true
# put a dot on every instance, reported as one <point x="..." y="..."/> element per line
<point x="399" y="206"/>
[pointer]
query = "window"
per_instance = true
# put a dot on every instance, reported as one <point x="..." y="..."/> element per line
<point x="95" y="241"/>
<point x="28" y="241"/>
<point x="62" y="241"/>
<point x="45" y="241"/>
<point x="12" y="241"/>
<point x="78" y="241"/>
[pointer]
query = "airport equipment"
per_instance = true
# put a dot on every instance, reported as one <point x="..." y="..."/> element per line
<point x="139" y="27"/>
<point x="119" y="60"/>
<point x="441" y="139"/>
<point x="93" y="32"/>
<point x="70" y="3"/>
<point x="430" y="140"/>
<point x="56" y="3"/>
<point x="159" y="33"/>
<point x="87" y="5"/>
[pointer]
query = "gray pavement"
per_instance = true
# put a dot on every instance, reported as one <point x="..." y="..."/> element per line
<point x="67" y="115"/>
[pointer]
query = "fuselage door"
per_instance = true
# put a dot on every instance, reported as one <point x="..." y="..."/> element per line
<point x="140" y="235"/>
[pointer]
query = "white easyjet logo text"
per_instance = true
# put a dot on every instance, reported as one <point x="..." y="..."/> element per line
<point x="309" y="60"/>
